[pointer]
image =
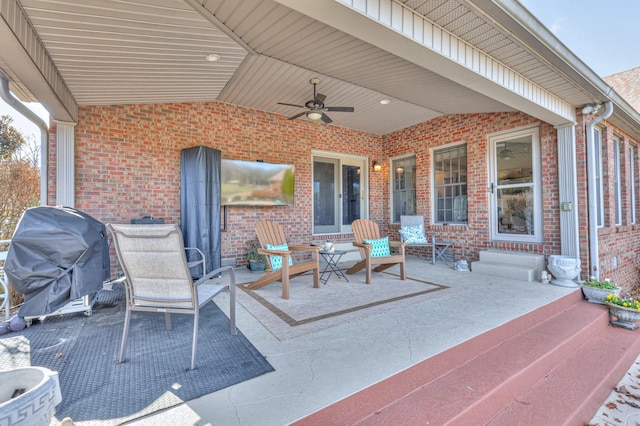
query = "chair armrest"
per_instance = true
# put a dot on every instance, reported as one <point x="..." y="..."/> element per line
<point x="218" y="271"/>
<point x="367" y="247"/>
<point x="274" y="252"/>
<point x="397" y="243"/>
<point x="305" y="248"/>
<point x="201" y="261"/>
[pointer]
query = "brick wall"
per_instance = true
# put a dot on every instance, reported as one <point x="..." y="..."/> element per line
<point x="128" y="161"/>
<point x="128" y="165"/>
<point x="473" y="130"/>
<point x="618" y="245"/>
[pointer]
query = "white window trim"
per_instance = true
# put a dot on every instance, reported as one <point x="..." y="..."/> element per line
<point x="600" y="184"/>
<point x="433" y="183"/>
<point x="538" y="228"/>
<point x="391" y="177"/>
<point x="632" y="182"/>
<point x="616" y="180"/>
<point x="364" y="176"/>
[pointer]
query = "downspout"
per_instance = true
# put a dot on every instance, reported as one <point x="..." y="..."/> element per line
<point x="592" y="193"/>
<point x="13" y="102"/>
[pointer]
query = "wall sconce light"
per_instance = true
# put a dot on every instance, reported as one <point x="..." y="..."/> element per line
<point x="376" y="167"/>
<point x="399" y="170"/>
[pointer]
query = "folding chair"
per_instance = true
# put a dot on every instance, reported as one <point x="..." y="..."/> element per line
<point x="412" y="232"/>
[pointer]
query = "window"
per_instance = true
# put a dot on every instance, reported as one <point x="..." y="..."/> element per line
<point x="597" y="142"/>
<point x="450" y="184"/>
<point x="403" y="181"/>
<point x="339" y="190"/>
<point x="632" y="182"/>
<point x="616" y="180"/>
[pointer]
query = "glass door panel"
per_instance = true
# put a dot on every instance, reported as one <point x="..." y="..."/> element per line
<point x="325" y="196"/>
<point x="514" y="186"/>
<point x="351" y="189"/>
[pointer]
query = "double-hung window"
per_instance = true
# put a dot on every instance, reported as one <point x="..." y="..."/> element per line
<point x="632" y="182"/>
<point x="616" y="181"/>
<point x="597" y="142"/>
<point x="450" y="184"/>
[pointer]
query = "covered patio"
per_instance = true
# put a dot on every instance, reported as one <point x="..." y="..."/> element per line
<point x="444" y="94"/>
<point x="320" y="367"/>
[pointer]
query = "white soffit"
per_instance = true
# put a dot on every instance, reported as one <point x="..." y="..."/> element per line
<point x="135" y="51"/>
<point x="414" y="38"/>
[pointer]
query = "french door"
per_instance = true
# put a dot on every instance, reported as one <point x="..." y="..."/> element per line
<point x="515" y="193"/>
<point x="339" y="193"/>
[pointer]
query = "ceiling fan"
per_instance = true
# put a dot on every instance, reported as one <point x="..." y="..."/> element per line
<point x="316" y="106"/>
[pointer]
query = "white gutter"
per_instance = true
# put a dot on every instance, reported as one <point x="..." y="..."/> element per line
<point x="593" y="198"/>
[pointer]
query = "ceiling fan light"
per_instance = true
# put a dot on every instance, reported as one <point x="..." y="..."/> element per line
<point x="314" y="115"/>
<point x="505" y="154"/>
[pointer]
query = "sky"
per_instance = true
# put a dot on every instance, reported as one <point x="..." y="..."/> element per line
<point x="604" y="34"/>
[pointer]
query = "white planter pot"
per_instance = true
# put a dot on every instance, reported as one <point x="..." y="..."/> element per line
<point x="598" y="295"/>
<point x="565" y="269"/>
<point x="35" y="391"/>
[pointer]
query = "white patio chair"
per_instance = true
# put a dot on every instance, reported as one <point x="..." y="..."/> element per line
<point x="158" y="279"/>
<point x="412" y="232"/>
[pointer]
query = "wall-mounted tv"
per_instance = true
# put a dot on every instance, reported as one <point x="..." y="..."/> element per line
<point x="248" y="183"/>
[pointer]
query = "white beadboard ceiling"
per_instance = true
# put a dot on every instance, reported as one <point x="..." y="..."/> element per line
<point x="148" y="51"/>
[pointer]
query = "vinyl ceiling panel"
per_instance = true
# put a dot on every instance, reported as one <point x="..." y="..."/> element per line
<point x="144" y="51"/>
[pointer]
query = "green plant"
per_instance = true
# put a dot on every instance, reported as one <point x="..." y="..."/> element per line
<point x="606" y="284"/>
<point x="252" y="247"/>
<point x="625" y="303"/>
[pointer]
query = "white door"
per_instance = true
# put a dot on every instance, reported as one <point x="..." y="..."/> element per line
<point x="514" y="173"/>
<point x="339" y="189"/>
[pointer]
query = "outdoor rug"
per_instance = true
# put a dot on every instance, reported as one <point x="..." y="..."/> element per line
<point x="311" y="309"/>
<point x="155" y="375"/>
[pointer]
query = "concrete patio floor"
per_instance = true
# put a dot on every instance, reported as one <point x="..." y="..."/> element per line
<point x="317" y="369"/>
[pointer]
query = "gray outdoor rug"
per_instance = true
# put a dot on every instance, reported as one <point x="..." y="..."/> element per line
<point x="154" y="377"/>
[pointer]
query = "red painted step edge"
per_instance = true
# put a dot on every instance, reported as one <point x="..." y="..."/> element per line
<point x="359" y="406"/>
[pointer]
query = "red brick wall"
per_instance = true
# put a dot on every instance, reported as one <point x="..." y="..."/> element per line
<point x="473" y="129"/>
<point x="128" y="165"/>
<point x="128" y="161"/>
<point x="618" y="245"/>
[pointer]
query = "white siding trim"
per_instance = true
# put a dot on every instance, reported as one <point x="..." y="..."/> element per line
<point x="65" y="164"/>
<point x="395" y="16"/>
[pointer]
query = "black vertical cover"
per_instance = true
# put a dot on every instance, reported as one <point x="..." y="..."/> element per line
<point x="200" y="203"/>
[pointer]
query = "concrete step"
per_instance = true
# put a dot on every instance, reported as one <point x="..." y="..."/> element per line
<point x="506" y="270"/>
<point x="563" y="358"/>
<point x="510" y="264"/>
<point x="530" y="260"/>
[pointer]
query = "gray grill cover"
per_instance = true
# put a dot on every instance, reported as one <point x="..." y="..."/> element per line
<point x="57" y="254"/>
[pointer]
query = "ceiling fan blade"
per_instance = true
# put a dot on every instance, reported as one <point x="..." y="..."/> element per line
<point x="293" y="117"/>
<point x="319" y="99"/>
<point x="282" y="103"/>
<point x="340" y="109"/>
<point x="326" y="118"/>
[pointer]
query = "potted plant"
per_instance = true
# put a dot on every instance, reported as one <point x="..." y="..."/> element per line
<point x="627" y="311"/>
<point x="257" y="261"/>
<point x="596" y="291"/>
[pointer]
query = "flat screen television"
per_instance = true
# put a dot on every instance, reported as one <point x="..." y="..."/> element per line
<point x="248" y="183"/>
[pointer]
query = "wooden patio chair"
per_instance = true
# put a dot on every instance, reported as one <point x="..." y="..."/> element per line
<point x="278" y="252"/>
<point x="364" y="229"/>
<point x="158" y="278"/>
